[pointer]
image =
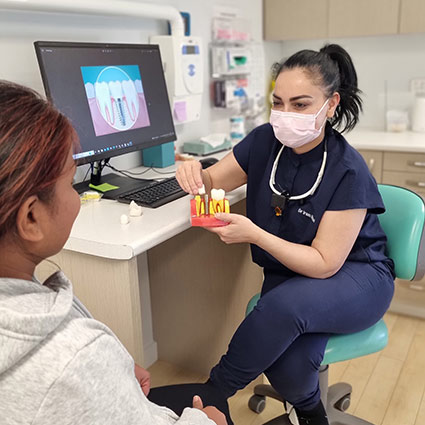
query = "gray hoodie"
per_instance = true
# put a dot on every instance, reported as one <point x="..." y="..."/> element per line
<point x="59" y="366"/>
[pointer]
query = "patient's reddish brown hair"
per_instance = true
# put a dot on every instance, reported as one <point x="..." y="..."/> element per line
<point x="35" y="141"/>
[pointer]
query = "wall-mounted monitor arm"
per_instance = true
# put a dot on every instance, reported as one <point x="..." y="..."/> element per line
<point x="101" y="8"/>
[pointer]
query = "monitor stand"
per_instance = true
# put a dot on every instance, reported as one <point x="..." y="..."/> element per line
<point x="124" y="184"/>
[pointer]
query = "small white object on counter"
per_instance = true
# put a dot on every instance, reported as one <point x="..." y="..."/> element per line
<point x="135" y="210"/>
<point x="124" y="219"/>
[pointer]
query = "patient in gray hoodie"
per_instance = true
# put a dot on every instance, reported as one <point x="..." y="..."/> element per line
<point x="57" y="364"/>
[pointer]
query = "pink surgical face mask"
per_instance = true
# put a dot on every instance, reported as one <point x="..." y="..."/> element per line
<point x="295" y="130"/>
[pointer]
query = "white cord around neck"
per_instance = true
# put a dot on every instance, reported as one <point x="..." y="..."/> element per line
<point x="313" y="188"/>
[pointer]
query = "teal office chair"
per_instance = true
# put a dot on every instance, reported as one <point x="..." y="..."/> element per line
<point x="403" y="223"/>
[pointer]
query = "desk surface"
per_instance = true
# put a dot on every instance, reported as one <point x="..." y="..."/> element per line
<point x="98" y="231"/>
<point x="385" y="141"/>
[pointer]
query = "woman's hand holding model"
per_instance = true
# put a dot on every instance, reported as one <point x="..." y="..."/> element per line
<point x="225" y="174"/>
<point x="190" y="176"/>
<point x="239" y="230"/>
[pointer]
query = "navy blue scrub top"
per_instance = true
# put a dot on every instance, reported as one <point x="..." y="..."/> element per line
<point x="346" y="184"/>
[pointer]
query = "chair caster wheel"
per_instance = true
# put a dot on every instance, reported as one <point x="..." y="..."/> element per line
<point x="343" y="403"/>
<point x="257" y="403"/>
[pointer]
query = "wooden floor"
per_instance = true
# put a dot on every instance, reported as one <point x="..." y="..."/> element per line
<point x="388" y="387"/>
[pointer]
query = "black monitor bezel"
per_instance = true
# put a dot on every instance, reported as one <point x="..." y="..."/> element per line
<point x="69" y="44"/>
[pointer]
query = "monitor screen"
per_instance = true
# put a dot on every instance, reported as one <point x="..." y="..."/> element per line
<point x="114" y="94"/>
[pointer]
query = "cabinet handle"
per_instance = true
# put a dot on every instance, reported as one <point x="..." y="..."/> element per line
<point x="417" y="184"/>
<point x="371" y="164"/>
<point x="418" y="164"/>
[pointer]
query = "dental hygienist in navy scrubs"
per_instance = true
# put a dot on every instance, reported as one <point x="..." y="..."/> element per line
<point x="312" y="223"/>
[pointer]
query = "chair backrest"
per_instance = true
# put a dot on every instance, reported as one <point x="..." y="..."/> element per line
<point x="403" y="223"/>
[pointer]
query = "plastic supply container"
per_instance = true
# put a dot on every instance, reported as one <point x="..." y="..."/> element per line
<point x="397" y="120"/>
<point x="237" y="129"/>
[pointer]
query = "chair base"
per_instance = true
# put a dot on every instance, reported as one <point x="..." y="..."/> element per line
<point x="336" y="399"/>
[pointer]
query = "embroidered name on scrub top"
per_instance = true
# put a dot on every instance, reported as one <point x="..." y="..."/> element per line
<point x="307" y="214"/>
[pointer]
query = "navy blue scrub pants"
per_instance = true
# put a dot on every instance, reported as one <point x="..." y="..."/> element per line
<point x="285" y="336"/>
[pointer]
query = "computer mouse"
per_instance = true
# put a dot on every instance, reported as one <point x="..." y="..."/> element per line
<point x="207" y="162"/>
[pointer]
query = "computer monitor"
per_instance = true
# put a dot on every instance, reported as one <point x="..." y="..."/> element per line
<point x="115" y="97"/>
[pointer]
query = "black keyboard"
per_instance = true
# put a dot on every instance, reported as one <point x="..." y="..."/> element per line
<point x="155" y="194"/>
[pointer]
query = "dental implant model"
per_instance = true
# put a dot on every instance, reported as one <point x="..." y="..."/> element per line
<point x="202" y="211"/>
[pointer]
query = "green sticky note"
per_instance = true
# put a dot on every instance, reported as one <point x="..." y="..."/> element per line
<point x="104" y="187"/>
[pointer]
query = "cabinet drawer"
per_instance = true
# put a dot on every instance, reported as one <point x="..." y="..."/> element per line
<point x="401" y="161"/>
<point x="412" y="181"/>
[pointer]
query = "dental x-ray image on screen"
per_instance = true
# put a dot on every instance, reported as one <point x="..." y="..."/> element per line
<point x="115" y="97"/>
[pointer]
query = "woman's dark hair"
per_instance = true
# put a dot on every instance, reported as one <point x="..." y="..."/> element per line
<point x="331" y="68"/>
<point x="35" y="141"/>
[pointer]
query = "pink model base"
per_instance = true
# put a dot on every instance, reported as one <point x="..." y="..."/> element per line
<point x="207" y="221"/>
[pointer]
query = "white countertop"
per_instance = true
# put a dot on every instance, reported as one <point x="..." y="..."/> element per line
<point x="385" y="141"/>
<point x="98" y="231"/>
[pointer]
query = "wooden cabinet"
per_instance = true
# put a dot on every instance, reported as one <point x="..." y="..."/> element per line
<point x="374" y="162"/>
<point x="295" y="19"/>
<point x="310" y="19"/>
<point x="398" y="168"/>
<point x="406" y="170"/>
<point x="363" y="17"/>
<point x="412" y="16"/>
